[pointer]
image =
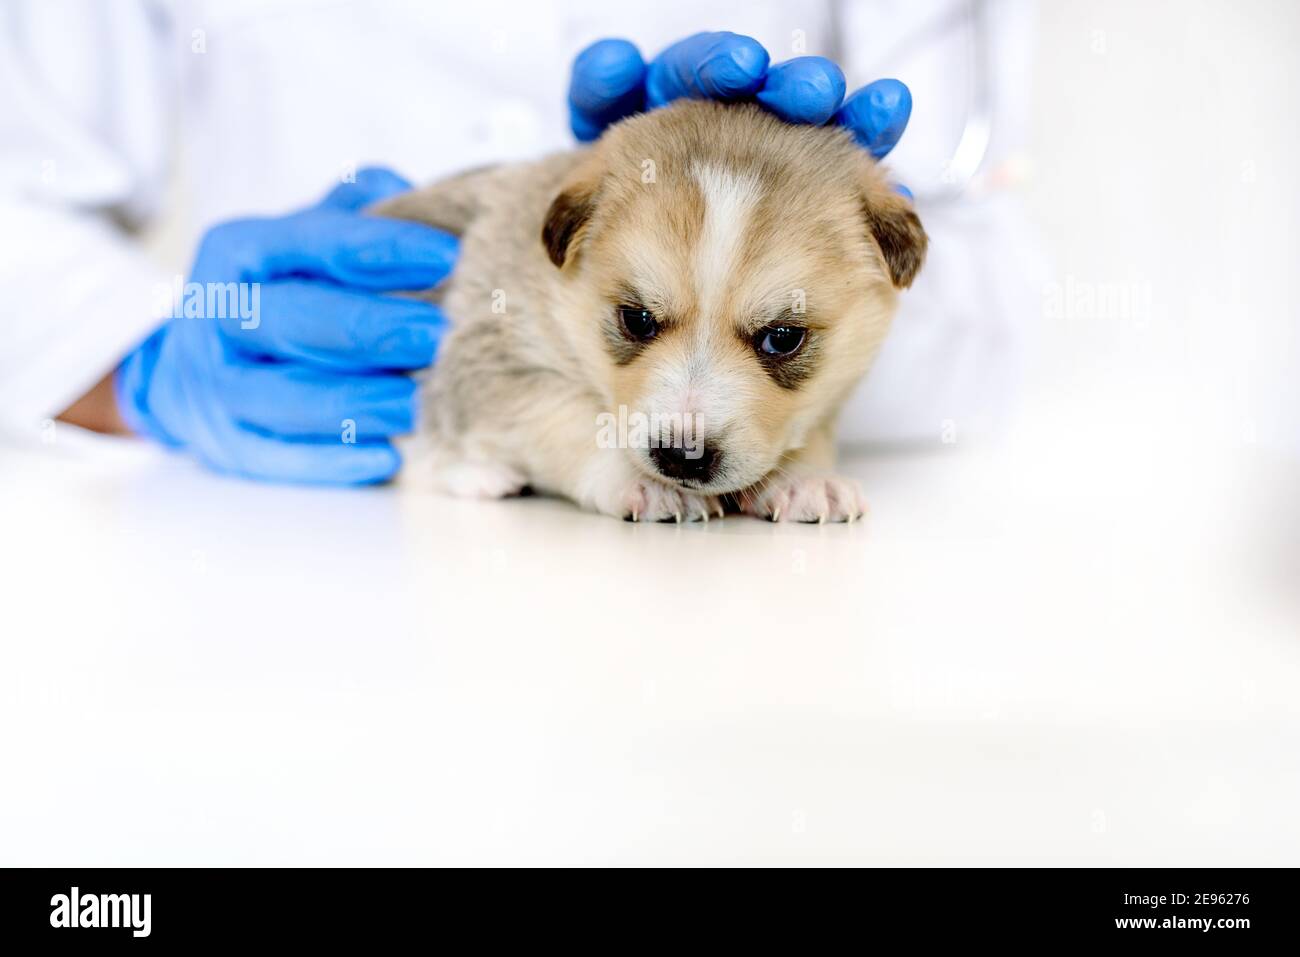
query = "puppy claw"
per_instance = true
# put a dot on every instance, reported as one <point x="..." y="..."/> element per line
<point x="810" y="499"/>
<point x="650" y="501"/>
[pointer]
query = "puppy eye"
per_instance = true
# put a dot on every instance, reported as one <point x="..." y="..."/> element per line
<point x="780" y="341"/>
<point x="638" y="322"/>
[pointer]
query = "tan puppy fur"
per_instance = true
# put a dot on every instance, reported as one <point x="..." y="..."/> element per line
<point x="665" y="273"/>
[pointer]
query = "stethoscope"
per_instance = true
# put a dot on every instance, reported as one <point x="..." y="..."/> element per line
<point x="959" y="173"/>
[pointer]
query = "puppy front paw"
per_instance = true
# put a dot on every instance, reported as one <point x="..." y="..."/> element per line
<point x="646" y="500"/>
<point x="805" y="498"/>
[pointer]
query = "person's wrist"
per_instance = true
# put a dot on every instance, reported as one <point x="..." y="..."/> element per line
<point x="96" y="410"/>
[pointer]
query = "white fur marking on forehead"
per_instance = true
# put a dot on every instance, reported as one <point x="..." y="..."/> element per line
<point x="729" y="198"/>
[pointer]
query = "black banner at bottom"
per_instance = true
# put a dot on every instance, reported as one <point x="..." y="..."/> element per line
<point x="134" y="908"/>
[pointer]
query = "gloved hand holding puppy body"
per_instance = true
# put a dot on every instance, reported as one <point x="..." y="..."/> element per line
<point x="266" y="399"/>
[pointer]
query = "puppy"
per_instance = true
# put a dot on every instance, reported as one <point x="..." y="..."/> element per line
<point x="667" y="323"/>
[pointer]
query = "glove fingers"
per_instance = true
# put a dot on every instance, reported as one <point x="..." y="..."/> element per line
<point x="336" y="328"/>
<point x="720" y="66"/>
<point x="327" y="462"/>
<point x="368" y="252"/>
<point x="607" y="84"/>
<point x="297" y="402"/>
<point x="369" y="186"/>
<point x="806" y="89"/>
<point x="877" y="115"/>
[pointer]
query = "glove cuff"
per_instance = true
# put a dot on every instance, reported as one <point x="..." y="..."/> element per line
<point x="131" y="390"/>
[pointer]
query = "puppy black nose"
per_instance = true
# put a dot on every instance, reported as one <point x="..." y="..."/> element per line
<point x="697" y="464"/>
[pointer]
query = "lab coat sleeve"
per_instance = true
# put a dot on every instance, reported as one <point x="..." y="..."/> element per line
<point x="84" y="136"/>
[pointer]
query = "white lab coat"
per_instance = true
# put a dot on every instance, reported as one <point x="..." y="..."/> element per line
<point x="116" y="115"/>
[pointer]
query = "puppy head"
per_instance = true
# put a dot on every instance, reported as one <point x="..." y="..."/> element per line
<point x="728" y="278"/>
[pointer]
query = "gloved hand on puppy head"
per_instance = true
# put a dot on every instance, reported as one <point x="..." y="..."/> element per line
<point x="611" y="81"/>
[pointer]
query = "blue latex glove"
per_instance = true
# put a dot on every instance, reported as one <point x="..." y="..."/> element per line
<point x="313" y="387"/>
<point x="611" y="81"/>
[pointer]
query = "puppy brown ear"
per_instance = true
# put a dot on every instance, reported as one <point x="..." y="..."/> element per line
<point x="897" y="230"/>
<point x="565" y="220"/>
